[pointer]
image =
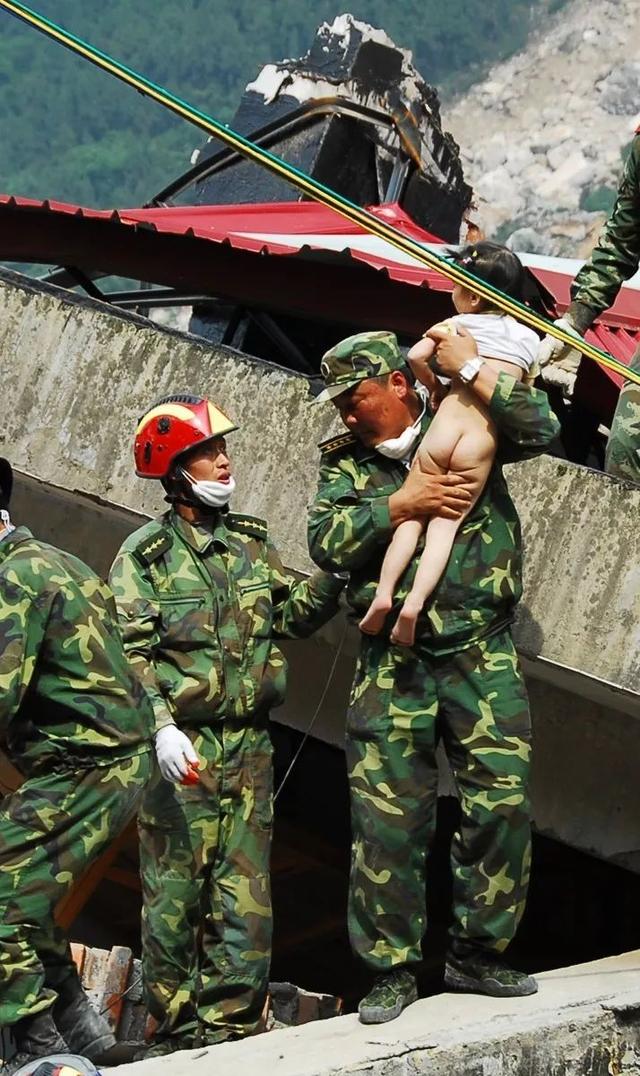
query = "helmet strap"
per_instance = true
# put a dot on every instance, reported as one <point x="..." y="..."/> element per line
<point x="178" y="492"/>
<point x="177" y="498"/>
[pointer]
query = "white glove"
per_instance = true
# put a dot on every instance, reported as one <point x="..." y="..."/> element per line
<point x="552" y="350"/>
<point x="174" y="752"/>
<point x="560" y="361"/>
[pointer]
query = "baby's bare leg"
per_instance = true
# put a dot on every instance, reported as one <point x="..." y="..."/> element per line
<point x="470" y="455"/>
<point x="433" y="561"/>
<point x="402" y="547"/>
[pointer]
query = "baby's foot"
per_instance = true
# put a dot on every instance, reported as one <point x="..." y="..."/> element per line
<point x="404" y="629"/>
<point x="373" y="620"/>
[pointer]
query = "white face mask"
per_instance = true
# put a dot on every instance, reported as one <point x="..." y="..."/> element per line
<point x="213" y="494"/>
<point x="6" y="523"/>
<point x="397" y="448"/>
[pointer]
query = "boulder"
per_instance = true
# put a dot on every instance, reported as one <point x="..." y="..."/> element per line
<point x="557" y="155"/>
<point x="498" y="188"/>
<point x="564" y="186"/>
<point x="529" y="241"/>
<point x="493" y="155"/>
<point x="620" y="91"/>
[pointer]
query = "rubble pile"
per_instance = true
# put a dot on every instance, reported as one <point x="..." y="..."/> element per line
<point x="542" y="138"/>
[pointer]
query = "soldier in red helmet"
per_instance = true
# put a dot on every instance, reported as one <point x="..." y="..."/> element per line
<point x="175" y="425"/>
<point x="202" y="597"/>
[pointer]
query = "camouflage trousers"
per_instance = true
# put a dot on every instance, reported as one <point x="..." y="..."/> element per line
<point x="402" y="702"/>
<point x="204" y="861"/>
<point x="51" y="829"/>
<point x="622" y="457"/>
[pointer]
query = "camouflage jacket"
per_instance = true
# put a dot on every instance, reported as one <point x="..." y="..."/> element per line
<point x="350" y="527"/>
<point x="67" y="694"/>
<point x="200" y="607"/>
<point x="616" y="255"/>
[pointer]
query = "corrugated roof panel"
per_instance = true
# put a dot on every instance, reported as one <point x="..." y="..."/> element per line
<point x="307" y="230"/>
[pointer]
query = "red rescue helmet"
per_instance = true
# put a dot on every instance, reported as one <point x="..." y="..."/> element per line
<point x="172" y="426"/>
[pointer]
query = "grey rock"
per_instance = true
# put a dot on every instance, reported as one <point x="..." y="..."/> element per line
<point x="498" y="188"/>
<point x="493" y="155"/>
<point x="528" y="240"/>
<point x="620" y="91"/>
<point x="519" y="158"/>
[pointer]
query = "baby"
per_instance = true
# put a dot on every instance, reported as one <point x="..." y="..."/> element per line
<point x="462" y="437"/>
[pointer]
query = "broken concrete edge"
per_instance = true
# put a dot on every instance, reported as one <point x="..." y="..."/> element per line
<point x="38" y="485"/>
<point x="585" y="1019"/>
<point x="576" y="681"/>
<point x="35" y="286"/>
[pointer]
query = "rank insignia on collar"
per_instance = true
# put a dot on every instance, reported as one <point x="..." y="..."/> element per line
<point x="154" y="546"/>
<point x="334" y="444"/>
<point x="247" y="525"/>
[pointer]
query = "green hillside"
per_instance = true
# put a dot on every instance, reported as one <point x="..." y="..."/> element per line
<point x="70" y="132"/>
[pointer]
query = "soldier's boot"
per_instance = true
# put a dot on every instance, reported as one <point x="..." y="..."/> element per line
<point x="35" y="1037"/>
<point x="476" y="971"/>
<point x="389" y="995"/>
<point x="85" y="1030"/>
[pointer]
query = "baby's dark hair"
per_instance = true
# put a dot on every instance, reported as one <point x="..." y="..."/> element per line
<point x="496" y="265"/>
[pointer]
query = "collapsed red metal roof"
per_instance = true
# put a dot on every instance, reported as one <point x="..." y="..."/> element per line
<point x="245" y="252"/>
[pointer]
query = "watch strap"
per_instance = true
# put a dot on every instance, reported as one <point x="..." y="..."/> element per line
<point x="470" y="370"/>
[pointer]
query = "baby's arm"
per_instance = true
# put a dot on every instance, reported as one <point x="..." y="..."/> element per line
<point x="419" y="362"/>
<point x="424" y="350"/>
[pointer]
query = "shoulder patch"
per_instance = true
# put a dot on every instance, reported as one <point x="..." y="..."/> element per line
<point x="335" y="444"/>
<point x="257" y="528"/>
<point x="153" y="546"/>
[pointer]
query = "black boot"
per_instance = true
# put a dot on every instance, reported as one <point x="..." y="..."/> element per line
<point x="35" y="1037"/>
<point x="85" y="1030"/>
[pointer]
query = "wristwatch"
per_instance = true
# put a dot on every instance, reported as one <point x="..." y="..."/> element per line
<point x="470" y="370"/>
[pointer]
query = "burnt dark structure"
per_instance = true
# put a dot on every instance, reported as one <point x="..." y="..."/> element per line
<point x="356" y="115"/>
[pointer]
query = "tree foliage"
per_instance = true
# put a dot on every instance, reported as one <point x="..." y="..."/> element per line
<point x="72" y="133"/>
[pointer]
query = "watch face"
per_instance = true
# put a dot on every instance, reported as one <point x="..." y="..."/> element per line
<point x="470" y="369"/>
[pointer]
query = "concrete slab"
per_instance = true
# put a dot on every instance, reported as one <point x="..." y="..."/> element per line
<point x="585" y="1021"/>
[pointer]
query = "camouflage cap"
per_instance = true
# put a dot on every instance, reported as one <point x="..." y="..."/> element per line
<point x="364" y="355"/>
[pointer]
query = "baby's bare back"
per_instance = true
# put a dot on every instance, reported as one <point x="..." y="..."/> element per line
<point x="461" y="440"/>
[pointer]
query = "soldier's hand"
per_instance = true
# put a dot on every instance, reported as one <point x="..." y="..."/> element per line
<point x="453" y="350"/>
<point x="554" y="351"/>
<point x="559" y="362"/>
<point x="174" y="752"/>
<point x="423" y="495"/>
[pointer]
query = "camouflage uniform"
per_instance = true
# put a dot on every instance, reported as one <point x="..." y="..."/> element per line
<point x="461" y="681"/>
<point x="200" y="607"/>
<point x="613" y="260"/>
<point x="77" y="723"/>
